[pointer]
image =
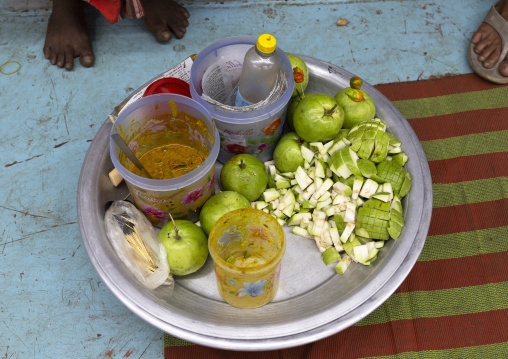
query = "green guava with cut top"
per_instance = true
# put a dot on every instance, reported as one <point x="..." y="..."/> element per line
<point x="186" y="246"/>
<point x="245" y="174"/>
<point x="318" y="118"/>
<point x="357" y="104"/>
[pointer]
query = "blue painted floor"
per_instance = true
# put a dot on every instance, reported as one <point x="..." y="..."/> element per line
<point x="52" y="302"/>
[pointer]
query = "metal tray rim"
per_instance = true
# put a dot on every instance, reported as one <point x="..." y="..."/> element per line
<point x="376" y="298"/>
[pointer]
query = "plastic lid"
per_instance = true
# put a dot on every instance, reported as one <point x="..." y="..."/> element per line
<point x="266" y="43"/>
<point x="168" y="85"/>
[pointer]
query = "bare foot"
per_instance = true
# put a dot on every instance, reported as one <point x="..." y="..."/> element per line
<point x="164" y="18"/>
<point x="489" y="44"/>
<point x="67" y="35"/>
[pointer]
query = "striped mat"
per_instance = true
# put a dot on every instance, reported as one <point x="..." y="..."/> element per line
<point x="454" y="303"/>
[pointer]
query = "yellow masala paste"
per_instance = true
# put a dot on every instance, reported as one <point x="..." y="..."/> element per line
<point x="170" y="147"/>
<point x="171" y="160"/>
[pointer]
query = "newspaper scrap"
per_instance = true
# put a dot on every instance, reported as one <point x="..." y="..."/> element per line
<point x="180" y="71"/>
<point x="219" y="81"/>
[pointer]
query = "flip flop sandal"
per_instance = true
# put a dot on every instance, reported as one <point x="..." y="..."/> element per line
<point x="499" y="24"/>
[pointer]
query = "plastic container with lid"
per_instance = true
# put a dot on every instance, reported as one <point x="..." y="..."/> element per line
<point x="254" y="132"/>
<point x="260" y="68"/>
<point x="181" y="196"/>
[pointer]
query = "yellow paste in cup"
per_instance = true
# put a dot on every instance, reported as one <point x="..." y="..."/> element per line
<point x="170" y="147"/>
<point x="171" y="160"/>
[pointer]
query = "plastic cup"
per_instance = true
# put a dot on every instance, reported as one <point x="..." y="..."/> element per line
<point x="180" y="196"/>
<point x="254" y="132"/>
<point x="247" y="246"/>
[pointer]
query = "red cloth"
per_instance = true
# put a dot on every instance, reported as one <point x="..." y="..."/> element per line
<point x="115" y="10"/>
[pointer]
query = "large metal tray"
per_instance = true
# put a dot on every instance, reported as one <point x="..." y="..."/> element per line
<point x="312" y="302"/>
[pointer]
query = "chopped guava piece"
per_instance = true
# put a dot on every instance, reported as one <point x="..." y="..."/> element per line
<point x="396" y="204"/>
<point x="396" y="216"/>
<point x="406" y="185"/>
<point x="394" y="229"/>
<point x="382" y="196"/>
<point x="330" y="255"/>
<point x="301" y="232"/>
<point x="393" y="140"/>
<point x="376" y="203"/>
<point x="380" y="148"/>
<point x="342" y="266"/>
<point x="366" y="167"/>
<point x="369" y="188"/>
<point x="350" y="158"/>
<point x="339" y="221"/>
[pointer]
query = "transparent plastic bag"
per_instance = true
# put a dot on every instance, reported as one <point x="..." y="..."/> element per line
<point x="137" y="244"/>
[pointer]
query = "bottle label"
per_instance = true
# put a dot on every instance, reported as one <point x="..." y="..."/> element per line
<point x="240" y="101"/>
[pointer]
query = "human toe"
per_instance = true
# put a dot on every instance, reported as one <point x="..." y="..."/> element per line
<point x="477" y="37"/>
<point x="163" y="35"/>
<point x="179" y="28"/>
<point x="47" y="51"/>
<point x="69" y="60"/>
<point x="481" y="46"/>
<point x="491" y="59"/>
<point x="489" y="56"/>
<point x="179" y="31"/>
<point x="87" y="60"/>
<point x="62" y="58"/>
<point x="503" y="68"/>
<point x="53" y="55"/>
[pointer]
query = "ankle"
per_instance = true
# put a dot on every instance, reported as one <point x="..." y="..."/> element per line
<point x="502" y="8"/>
<point x="66" y="7"/>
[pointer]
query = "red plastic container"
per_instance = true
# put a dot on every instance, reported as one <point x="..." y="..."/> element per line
<point x="168" y="85"/>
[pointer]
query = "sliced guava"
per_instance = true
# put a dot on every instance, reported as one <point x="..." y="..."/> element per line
<point x="406" y="185"/>
<point x="372" y="223"/>
<point x="396" y="217"/>
<point x="396" y="204"/>
<point x="350" y="158"/>
<point x="377" y="204"/>
<point x="400" y="158"/>
<point x="366" y="148"/>
<point x="366" y="167"/>
<point x="393" y="140"/>
<point x="380" y="148"/>
<point x="390" y="171"/>
<point x="394" y="229"/>
<point x="339" y="221"/>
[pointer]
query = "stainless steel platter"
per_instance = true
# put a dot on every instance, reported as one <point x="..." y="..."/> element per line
<point x="312" y="302"/>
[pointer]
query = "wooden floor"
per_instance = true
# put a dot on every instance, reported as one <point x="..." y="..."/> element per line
<point x="52" y="302"/>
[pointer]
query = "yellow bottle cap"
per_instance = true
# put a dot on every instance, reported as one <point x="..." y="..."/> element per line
<point x="266" y="43"/>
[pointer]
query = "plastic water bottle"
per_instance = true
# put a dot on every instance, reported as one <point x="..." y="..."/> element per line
<point x="259" y="72"/>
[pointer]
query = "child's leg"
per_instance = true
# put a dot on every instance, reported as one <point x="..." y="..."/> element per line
<point x="67" y="35"/>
